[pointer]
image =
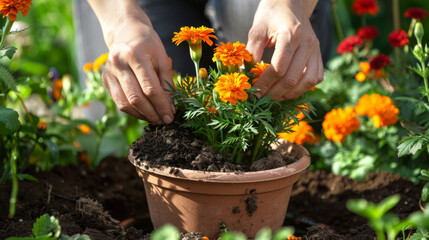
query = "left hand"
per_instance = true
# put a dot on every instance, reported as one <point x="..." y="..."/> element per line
<point x="296" y="64"/>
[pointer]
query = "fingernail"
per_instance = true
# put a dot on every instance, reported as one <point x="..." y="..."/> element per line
<point x="173" y="108"/>
<point x="167" y="119"/>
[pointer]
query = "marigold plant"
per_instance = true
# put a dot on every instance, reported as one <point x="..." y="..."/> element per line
<point x="222" y="106"/>
<point x="380" y="109"/>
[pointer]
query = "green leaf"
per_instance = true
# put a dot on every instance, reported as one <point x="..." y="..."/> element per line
<point x="20" y="238"/>
<point x="9" y="122"/>
<point x="425" y="192"/>
<point x="46" y="225"/>
<point x="283" y="233"/>
<point x="8" y="51"/>
<point x="53" y="150"/>
<point x="408" y="145"/>
<point x="166" y="232"/>
<point x="26" y="176"/>
<point x="264" y="234"/>
<point x="232" y="236"/>
<point x="6" y="80"/>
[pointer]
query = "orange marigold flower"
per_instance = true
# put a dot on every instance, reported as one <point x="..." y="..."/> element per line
<point x="365" y="67"/>
<point x="57" y="88"/>
<point x="312" y="88"/>
<point x="302" y="133"/>
<point x="398" y="38"/>
<point x="232" y="53"/>
<point x="12" y="7"/>
<point x="379" y="108"/>
<point x="42" y="126"/>
<point x="292" y="237"/>
<point x="231" y="87"/>
<point x="258" y="70"/>
<point x="194" y="35"/>
<point x="205" y="238"/>
<point x="360" y="76"/>
<point x="361" y="7"/>
<point x="102" y="59"/>
<point x="87" y="67"/>
<point x="85" y="129"/>
<point x="339" y="123"/>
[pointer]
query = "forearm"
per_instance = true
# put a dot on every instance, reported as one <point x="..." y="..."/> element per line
<point x="306" y="5"/>
<point x="112" y="13"/>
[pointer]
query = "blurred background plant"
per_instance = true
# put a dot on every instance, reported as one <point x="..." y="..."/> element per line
<point x="362" y="115"/>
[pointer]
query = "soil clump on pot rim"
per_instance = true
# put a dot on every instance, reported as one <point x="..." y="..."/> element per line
<point x="176" y="146"/>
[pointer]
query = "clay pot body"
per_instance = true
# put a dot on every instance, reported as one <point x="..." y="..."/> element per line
<point x="199" y="201"/>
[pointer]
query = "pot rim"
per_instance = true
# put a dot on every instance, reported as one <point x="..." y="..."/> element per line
<point x="244" y="177"/>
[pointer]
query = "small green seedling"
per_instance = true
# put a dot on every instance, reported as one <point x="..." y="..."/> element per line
<point x="384" y="223"/>
<point x="48" y="228"/>
<point x="166" y="232"/>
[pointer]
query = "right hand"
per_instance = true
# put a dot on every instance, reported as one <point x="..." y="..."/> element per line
<point x="137" y="70"/>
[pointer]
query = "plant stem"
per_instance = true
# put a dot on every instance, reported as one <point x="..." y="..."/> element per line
<point x="425" y="79"/>
<point x="197" y="73"/>
<point x="337" y="22"/>
<point x="25" y="108"/>
<point x="6" y="31"/>
<point x="14" y="193"/>
<point x="396" y="15"/>
<point x="257" y="146"/>
<point x="363" y="19"/>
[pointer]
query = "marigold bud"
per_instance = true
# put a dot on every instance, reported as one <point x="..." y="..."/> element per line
<point x="419" y="31"/>
<point x="42" y="126"/>
<point x="203" y="73"/>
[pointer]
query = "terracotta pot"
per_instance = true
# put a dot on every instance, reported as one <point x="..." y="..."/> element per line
<point x="199" y="201"/>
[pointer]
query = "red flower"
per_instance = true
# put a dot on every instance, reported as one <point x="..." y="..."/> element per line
<point x="361" y="7"/>
<point x="398" y="38"/>
<point x="379" y="61"/>
<point x="348" y="44"/>
<point x="368" y="32"/>
<point x="416" y="13"/>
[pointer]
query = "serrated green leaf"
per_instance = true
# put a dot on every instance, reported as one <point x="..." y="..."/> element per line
<point x="9" y="122"/>
<point x="8" y="51"/>
<point x="7" y="81"/>
<point x="46" y="225"/>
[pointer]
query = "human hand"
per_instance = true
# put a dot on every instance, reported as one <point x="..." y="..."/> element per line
<point x="296" y="64"/>
<point x="137" y="68"/>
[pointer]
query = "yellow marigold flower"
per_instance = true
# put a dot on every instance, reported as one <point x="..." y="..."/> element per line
<point x="87" y="67"/>
<point x="360" y="76"/>
<point x="258" y="70"/>
<point x="379" y="108"/>
<point x="339" y="123"/>
<point x="231" y="87"/>
<point x="102" y="59"/>
<point x="193" y="34"/>
<point x="85" y="129"/>
<point x="365" y="67"/>
<point x="302" y="133"/>
<point x="12" y="7"/>
<point x="232" y="54"/>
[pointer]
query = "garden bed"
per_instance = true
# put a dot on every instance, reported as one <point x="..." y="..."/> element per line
<point x="316" y="209"/>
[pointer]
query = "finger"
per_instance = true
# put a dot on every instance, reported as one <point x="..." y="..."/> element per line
<point x="291" y="79"/>
<point x="280" y="61"/>
<point x="165" y="75"/>
<point x="143" y="69"/>
<point x="133" y="90"/>
<point x="114" y="88"/>
<point x="256" y="43"/>
<point x="310" y="78"/>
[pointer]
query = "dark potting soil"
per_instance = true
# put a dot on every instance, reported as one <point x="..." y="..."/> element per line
<point x="175" y="146"/>
<point x="98" y="201"/>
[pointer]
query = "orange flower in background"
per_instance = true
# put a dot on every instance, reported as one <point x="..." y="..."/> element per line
<point x="360" y="76"/>
<point x="302" y="133"/>
<point x="361" y="7"/>
<point x="102" y="59"/>
<point x="365" y="68"/>
<point x="232" y="53"/>
<point x="12" y="7"/>
<point x="85" y="129"/>
<point x="194" y="35"/>
<point x="379" y="61"/>
<point x="339" y="123"/>
<point x="379" y="108"/>
<point x="398" y="38"/>
<point x="42" y="126"/>
<point x="368" y="32"/>
<point x="348" y="44"/>
<point x="231" y="87"/>
<point x="57" y="88"/>
<point x="416" y="13"/>
<point x="87" y="67"/>
<point x="292" y="237"/>
<point x="258" y="70"/>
